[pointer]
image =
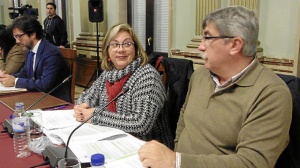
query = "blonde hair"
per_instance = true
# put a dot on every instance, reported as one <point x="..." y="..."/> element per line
<point x="112" y="32"/>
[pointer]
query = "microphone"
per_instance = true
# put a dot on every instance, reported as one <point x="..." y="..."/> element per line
<point x="7" y="125"/>
<point x="64" y="81"/>
<point x="54" y="154"/>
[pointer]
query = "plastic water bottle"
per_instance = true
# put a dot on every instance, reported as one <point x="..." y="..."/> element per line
<point x="19" y="109"/>
<point x="20" y="126"/>
<point x="97" y="160"/>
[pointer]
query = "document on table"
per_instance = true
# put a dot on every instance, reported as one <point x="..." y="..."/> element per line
<point x="86" y="133"/>
<point x="112" y="150"/>
<point x="6" y="90"/>
<point x="56" y="119"/>
<point x="132" y="161"/>
<point x="119" y="148"/>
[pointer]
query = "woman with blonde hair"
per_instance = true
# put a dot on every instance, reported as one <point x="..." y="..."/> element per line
<point x="140" y="111"/>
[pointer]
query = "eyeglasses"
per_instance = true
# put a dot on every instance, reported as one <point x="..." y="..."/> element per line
<point x="204" y="38"/>
<point x="116" y="46"/>
<point x="19" y="36"/>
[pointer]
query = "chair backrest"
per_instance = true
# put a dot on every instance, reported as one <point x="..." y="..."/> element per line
<point x="175" y="76"/>
<point x="70" y="56"/>
<point x="290" y="157"/>
<point x="178" y="73"/>
<point x="161" y="70"/>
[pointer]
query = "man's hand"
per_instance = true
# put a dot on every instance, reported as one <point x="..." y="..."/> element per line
<point x="7" y="80"/>
<point x="156" y="155"/>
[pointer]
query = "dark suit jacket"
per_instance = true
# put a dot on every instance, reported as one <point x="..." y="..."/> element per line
<point x="50" y="70"/>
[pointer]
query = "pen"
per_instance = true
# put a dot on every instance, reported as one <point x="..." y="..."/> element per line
<point x="58" y="107"/>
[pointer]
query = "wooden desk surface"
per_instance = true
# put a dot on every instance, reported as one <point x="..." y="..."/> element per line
<point x="29" y="98"/>
<point x="7" y="156"/>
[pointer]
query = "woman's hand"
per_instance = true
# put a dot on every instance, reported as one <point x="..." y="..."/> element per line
<point x="83" y="112"/>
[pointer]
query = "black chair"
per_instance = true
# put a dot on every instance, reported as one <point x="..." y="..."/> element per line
<point x="290" y="157"/>
<point x="176" y="75"/>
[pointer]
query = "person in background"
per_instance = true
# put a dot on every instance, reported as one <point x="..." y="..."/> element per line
<point x="140" y="111"/>
<point x="12" y="56"/>
<point x="54" y="27"/>
<point x="237" y="112"/>
<point x="45" y="67"/>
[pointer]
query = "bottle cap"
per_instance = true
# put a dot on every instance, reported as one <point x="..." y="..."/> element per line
<point x="97" y="159"/>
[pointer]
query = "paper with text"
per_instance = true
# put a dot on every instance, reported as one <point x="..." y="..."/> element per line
<point x="111" y="149"/>
<point x="86" y="133"/>
<point x="55" y="119"/>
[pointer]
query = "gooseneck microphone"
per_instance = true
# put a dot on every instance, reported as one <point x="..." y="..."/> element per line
<point x="64" y="81"/>
<point x="120" y="94"/>
<point x="7" y="125"/>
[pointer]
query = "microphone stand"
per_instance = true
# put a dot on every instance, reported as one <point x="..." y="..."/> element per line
<point x="64" y="81"/>
<point x="97" y="71"/>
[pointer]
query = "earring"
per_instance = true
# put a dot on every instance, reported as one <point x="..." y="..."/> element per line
<point x="109" y="60"/>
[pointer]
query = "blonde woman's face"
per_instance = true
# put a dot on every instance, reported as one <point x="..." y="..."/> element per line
<point x="121" y="50"/>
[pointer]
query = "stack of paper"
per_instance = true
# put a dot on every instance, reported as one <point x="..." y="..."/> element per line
<point x="119" y="148"/>
<point x="8" y="90"/>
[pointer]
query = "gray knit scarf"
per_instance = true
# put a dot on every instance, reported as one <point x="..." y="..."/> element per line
<point x="115" y="75"/>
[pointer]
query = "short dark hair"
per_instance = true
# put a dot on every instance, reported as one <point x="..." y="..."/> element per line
<point x="28" y="25"/>
<point x="53" y="4"/>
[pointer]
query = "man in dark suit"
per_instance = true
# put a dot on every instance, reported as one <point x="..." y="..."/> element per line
<point x="44" y="68"/>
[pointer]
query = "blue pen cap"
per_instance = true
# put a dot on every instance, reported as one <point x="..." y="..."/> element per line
<point x="97" y="159"/>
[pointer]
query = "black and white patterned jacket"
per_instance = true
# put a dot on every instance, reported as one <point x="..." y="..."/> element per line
<point x="140" y="111"/>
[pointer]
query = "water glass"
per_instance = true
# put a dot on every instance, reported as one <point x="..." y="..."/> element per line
<point x="69" y="163"/>
<point x="36" y="125"/>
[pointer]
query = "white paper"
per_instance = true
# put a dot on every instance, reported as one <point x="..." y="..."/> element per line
<point x="56" y="119"/>
<point x="132" y="161"/>
<point x="111" y="149"/>
<point x="5" y="89"/>
<point x="86" y="133"/>
<point x="119" y="148"/>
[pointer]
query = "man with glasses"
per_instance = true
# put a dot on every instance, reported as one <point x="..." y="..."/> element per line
<point x="237" y="112"/>
<point x="44" y="68"/>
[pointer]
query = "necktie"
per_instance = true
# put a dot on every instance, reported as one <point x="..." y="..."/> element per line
<point x="30" y="58"/>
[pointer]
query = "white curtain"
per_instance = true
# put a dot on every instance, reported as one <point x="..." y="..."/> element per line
<point x="161" y="23"/>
